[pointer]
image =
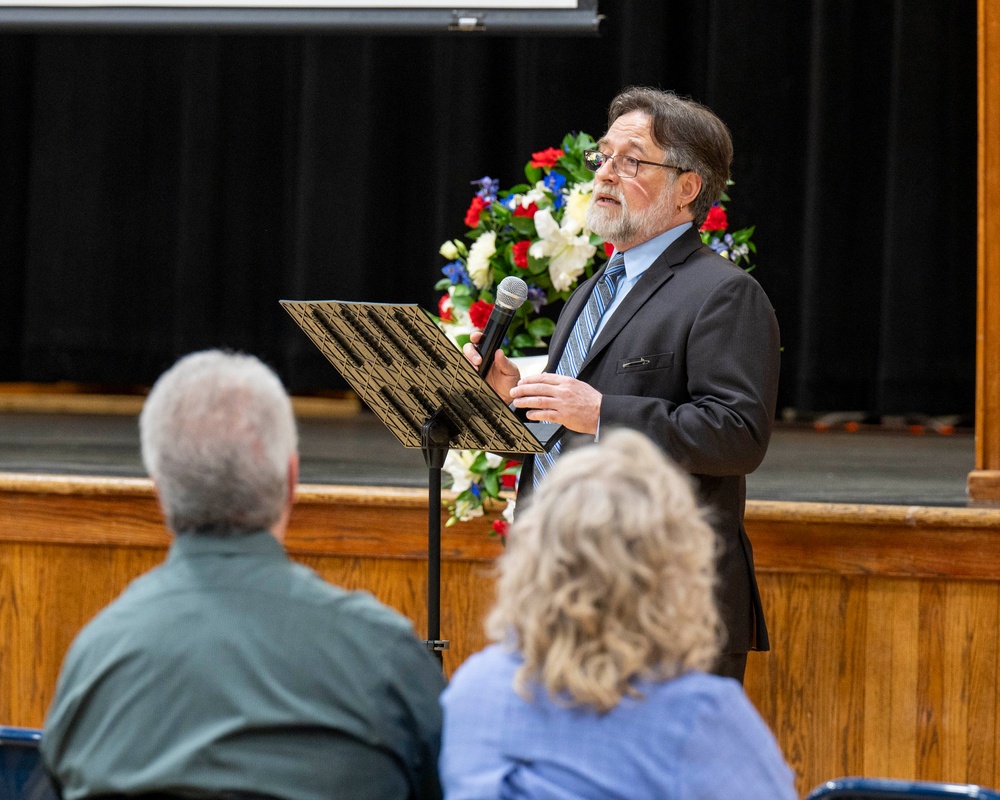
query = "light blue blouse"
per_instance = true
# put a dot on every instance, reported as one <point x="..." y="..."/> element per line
<point x="696" y="737"/>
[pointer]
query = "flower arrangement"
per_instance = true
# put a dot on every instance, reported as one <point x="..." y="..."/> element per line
<point x="736" y="246"/>
<point x="537" y="231"/>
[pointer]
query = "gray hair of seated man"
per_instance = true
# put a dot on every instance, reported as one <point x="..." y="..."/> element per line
<point x="217" y="434"/>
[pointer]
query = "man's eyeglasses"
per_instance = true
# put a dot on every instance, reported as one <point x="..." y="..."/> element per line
<point x="624" y="166"/>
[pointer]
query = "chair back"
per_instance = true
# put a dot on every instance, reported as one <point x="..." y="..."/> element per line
<point x="22" y="776"/>
<point x="888" y="789"/>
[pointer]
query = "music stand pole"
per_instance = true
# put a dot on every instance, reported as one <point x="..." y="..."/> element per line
<point x="434" y="437"/>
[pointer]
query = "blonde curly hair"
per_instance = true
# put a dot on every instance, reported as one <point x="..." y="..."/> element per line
<point x="608" y="576"/>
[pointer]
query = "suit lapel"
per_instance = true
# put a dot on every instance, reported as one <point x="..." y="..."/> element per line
<point x="659" y="272"/>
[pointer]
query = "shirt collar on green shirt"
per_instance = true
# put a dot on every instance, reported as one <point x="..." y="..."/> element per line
<point x="257" y="543"/>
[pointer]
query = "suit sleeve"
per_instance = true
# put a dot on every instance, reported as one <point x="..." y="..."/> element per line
<point x="722" y="423"/>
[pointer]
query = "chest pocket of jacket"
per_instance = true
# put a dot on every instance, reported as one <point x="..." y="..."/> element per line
<point x="645" y="363"/>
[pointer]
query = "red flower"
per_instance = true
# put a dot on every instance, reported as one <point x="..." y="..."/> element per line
<point x="716" y="219"/>
<point x="546" y="158"/>
<point x="444" y="308"/>
<point x="520" y="252"/>
<point x="508" y="481"/>
<point x="475" y="208"/>
<point x="500" y="529"/>
<point x="608" y="249"/>
<point x="479" y="313"/>
<point x="529" y="212"/>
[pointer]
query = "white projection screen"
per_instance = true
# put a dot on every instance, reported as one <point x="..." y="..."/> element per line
<point x="433" y="17"/>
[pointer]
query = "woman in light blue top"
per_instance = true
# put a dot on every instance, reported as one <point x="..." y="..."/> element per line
<point x="605" y="624"/>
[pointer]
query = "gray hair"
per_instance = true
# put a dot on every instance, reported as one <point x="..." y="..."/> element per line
<point x="691" y="135"/>
<point x="217" y="434"/>
<point x="608" y="576"/>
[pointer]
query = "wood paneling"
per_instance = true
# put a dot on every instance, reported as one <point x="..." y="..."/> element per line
<point x="878" y="676"/>
<point x="884" y="620"/>
<point x="70" y="545"/>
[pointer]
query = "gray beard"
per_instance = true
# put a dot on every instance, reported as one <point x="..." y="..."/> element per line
<point x="621" y="229"/>
<point x="628" y="226"/>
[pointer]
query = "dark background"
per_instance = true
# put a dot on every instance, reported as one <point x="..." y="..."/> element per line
<point x="159" y="193"/>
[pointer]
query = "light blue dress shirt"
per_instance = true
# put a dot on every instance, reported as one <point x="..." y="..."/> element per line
<point x="696" y="737"/>
<point x="637" y="260"/>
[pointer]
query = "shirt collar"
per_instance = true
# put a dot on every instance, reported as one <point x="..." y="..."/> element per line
<point x="641" y="257"/>
<point x="257" y="543"/>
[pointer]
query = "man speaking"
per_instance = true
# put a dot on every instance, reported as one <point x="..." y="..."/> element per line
<point x="670" y="339"/>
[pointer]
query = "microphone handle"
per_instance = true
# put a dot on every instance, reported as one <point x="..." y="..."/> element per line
<point x="493" y="333"/>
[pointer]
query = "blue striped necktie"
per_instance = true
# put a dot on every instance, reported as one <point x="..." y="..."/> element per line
<point x="578" y="344"/>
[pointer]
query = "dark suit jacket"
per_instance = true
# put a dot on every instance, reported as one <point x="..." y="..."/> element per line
<point x="690" y="358"/>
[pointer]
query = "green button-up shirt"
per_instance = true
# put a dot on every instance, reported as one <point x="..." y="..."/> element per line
<point x="230" y="667"/>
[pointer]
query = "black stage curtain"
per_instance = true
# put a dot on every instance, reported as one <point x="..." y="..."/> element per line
<point x="160" y="193"/>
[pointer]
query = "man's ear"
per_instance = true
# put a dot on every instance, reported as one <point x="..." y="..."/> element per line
<point x="690" y="187"/>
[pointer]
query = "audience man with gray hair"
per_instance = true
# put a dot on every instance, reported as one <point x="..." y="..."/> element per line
<point x="229" y="671"/>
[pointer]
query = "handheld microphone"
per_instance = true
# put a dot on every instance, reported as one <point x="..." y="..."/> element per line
<point x="511" y="293"/>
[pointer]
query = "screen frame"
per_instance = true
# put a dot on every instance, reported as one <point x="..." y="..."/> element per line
<point x="424" y="17"/>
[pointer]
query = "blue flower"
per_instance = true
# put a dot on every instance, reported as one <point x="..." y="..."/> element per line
<point x="456" y="273"/>
<point x="554" y="182"/>
<point x="474" y="488"/>
<point x="487" y="188"/>
<point x="720" y="246"/>
<point x="537" y="298"/>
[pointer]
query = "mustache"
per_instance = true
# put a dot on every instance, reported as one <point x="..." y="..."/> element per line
<point x="607" y="191"/>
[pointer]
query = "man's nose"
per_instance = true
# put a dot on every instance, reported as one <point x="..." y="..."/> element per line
<point x="608" y="170"/>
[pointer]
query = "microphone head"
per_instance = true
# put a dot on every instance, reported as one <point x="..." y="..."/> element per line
<point x="511" y="293"/>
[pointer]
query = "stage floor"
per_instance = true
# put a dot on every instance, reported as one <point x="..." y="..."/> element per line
<point x="879" y="467"/>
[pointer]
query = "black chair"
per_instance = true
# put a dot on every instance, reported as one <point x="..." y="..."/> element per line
<point x="22" y="776"/>
<point x="887" y="789"/>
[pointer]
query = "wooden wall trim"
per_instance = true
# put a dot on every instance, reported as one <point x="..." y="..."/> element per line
<point x="889" y="541"/>
<point x="986" y="487"/>
<point x="885" y="516"/>
<point x="384" y="522"/>
<point x="352" y="521"/>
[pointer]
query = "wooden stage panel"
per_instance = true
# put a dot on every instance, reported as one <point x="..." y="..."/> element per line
<point x="881" y="677"/>
<point x="885" y="620"/>
<point x="48" y="591"/>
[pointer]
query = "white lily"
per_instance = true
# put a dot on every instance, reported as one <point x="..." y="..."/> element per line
<point x="538" y="195"/>
<point x="478" y="266"/>
<point x="566" y="248"/>
<point x="458" y="465"/>
<point x="577" y="203"/>
<point x="449" y="250"/>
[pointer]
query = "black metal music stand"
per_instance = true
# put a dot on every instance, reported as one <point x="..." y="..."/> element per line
<point x="424" y="390"/>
